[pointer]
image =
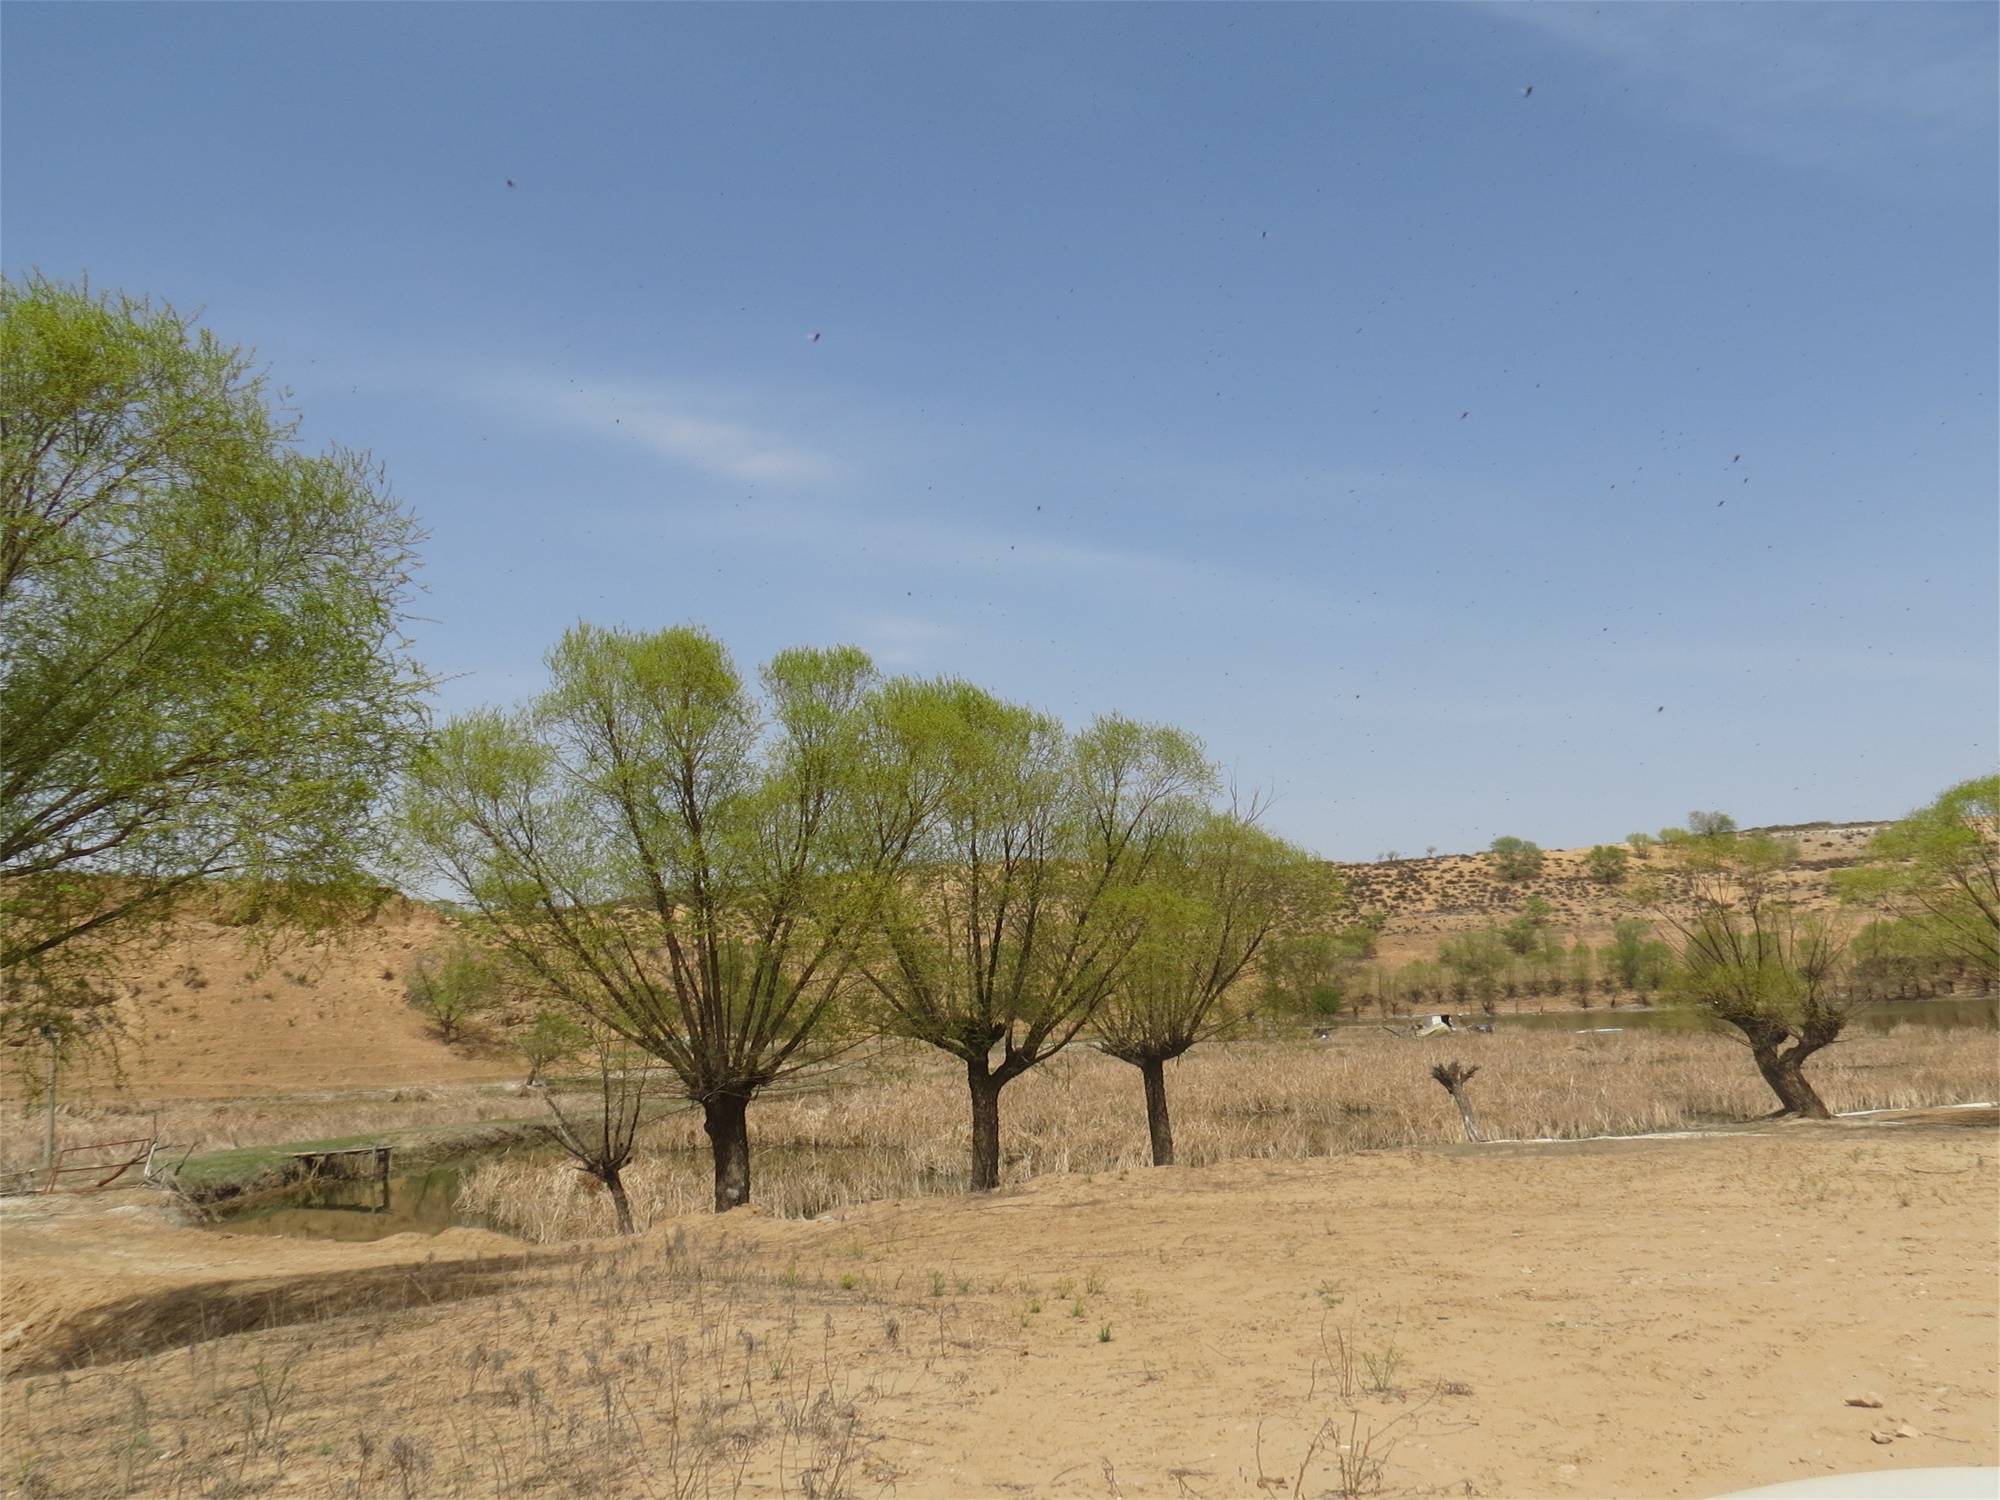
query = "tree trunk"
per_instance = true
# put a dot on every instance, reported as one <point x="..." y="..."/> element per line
<point x="1784" y="1070"/>
<point x="1159" y="1124"/>
<point x="729" y="1139"/>
<point x="615" y="1185"/>
<point x="985" y="1090"/>
<point x="1465" y="1113"/>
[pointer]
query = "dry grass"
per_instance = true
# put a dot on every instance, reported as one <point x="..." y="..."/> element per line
<point x="897" y="1127"/>
<point x="203" y="1126"/>
<point x="654" y="1371"/>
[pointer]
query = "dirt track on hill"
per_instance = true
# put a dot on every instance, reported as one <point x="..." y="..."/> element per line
<point x="1637" y="1318"/>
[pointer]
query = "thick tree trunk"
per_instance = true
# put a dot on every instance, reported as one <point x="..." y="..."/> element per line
<point x="1784" y="1070"/>
<point x="615" y="1185"/>
<point x="729" y="1140"/>
<point x="1159" y="1125"/>
<point x="985" y="1090"/>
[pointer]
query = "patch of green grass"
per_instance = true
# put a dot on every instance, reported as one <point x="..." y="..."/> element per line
<point x="247" y="1163"/>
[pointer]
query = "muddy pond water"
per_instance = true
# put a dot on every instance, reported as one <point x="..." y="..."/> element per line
<point x="423" y="1202"/>
<point x="1946" y="1013"/>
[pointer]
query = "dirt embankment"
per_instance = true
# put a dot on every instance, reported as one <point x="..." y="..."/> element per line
<point x="208" y="1016"/>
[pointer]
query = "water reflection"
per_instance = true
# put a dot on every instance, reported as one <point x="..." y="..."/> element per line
<point x="352" y="1209"/>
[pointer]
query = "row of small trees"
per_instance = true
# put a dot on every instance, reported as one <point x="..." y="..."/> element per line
<point x="742" y="885"/>
<point x="1522" y="959"/>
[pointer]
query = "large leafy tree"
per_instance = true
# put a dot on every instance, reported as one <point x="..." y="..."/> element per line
<point x="1939" y="869"/>
<point x="663" y="853"/>
<point x="1022" y="903"/>
<point x="204" y="677"/>
<point x="1213" y="900"/>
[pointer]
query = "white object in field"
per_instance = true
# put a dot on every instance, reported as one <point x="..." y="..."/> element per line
<point x="1883" y="1484"/>
<point x="1434" y="1026"/>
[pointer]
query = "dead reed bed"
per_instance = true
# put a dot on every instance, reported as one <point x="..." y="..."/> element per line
<point x="654" y="1370"/>
<point x="895" y="1125"/>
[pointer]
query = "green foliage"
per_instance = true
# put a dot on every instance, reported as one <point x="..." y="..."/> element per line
<point x="1313" y="974"/>
<point x="657" y="855"/>
<point x="453" y="989"/>
<point x="550" y="1038"/>
<point x="1752" y="958"/>
<point x="1041" y="866"/>
<point x="1939" y="869"/>
<point x="1217" y="898"/>
<point x="1305" y="975"/>
<point x="204" y="677"/>
<point x="1641" y="844"/>
<point x="1759" y="965"/>
<point x="1474" y="955"/>
<point x="1528" y="932"/>
<point x="1634" y="958"/>
<point x="1606" y="863"/>
<point x="1515" y="859"/>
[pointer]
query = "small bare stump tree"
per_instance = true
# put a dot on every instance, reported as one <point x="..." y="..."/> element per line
<point x="598" y="1123"/>
<point x="1454" y="1076"/>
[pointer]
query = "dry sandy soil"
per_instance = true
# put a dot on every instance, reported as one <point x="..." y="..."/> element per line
<point x="1662" y="1317"/>
<point x="1679" y="1316"/>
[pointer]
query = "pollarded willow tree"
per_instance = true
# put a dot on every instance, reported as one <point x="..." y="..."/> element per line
<point x="204" y="677"/>
<point x="649" y="850"/>
<point x="1751" y="957"/>
<point x="1021" y="903"/>
<point x="1218" y="893"/>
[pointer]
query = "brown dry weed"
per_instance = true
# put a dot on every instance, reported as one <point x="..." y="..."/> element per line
<point x="895" y="1125"/>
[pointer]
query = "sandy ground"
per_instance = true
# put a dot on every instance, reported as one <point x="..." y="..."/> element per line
<point x="1663" y="1317"/>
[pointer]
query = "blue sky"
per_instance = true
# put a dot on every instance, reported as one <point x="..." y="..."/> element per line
<point x="1456" y="460"/>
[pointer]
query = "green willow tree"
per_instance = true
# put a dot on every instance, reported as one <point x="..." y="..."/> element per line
<point x="1938" y="870"/>
<point x="204" y="678"/>
<point x="655" y="856"/>
<point x="1020" y="905"/>
<point x="1752" y="958"/>
<point x="1211" y="903"/>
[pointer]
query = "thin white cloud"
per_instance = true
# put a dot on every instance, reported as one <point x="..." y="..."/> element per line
<point x="898" y="640"/>
<point x="1820" y="84"/>
<point x="669" y="424"/>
